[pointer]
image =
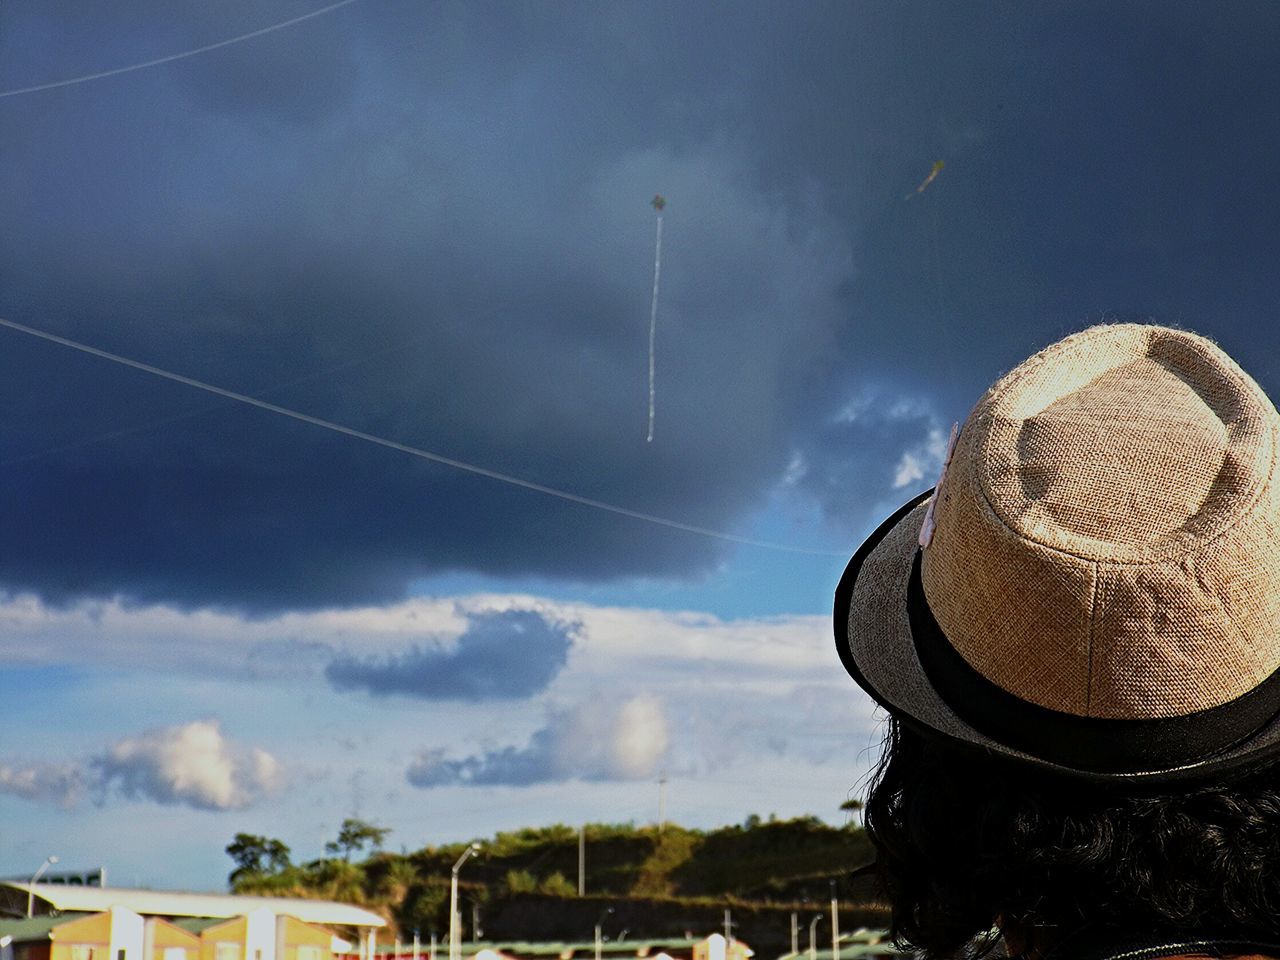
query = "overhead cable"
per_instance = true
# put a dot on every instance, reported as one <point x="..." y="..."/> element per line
<point x="72" y="81"/>
<point x="406" y="448"/>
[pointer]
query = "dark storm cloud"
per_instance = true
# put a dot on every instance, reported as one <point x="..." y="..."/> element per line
<point x="430" y="222"/>
<point x="502" y="655"/>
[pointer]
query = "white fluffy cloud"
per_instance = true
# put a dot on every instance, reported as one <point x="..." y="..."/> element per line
<point x="597" y="740"/>
<point x="191" y="764"/>
<point x="732" y="691"/>
<point x="921" y="461"/>
<point x="60" y="783"/>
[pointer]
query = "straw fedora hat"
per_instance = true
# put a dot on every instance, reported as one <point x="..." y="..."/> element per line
<point x="1093" y="587"/>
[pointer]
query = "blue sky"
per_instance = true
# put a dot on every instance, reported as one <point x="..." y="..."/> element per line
<point x="430" y="222"/>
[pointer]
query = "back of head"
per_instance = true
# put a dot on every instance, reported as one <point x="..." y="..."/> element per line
<point x="1077" y="636"/>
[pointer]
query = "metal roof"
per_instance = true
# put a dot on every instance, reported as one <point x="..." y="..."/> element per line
<point x="197" y="924"/>
<point x="36" y="928"/>
<point x="168" y="903"/>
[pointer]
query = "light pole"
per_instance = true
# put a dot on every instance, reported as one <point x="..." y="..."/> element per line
<point x="455" y="945"/>
<point x="795" y="934"/>
<point x="813" y="943"/>
<point x="599" y="921"/>
<point x="31" y="894"/>
<point x="835" y="924"/>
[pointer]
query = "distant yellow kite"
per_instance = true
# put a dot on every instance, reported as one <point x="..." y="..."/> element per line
<point x="933" y="175"/>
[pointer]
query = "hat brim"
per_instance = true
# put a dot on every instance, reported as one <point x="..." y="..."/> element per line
<point x="875" y="642"/>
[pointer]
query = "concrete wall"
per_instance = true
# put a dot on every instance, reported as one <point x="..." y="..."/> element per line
<point x="260" y="935"/>
<point x="127" y="929"/>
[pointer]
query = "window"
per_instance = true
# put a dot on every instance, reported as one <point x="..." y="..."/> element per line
<point x="308" y="953"/>
<point x="81" y="951"/>
<point x="227" y="951"/>
<point x="175" y="953"/>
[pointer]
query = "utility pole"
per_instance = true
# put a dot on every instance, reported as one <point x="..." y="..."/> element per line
<point x="582" y="860"/>
<point x="795" y="934"/>
<point x="662" y="803"/>
<point x="835" y="924"/>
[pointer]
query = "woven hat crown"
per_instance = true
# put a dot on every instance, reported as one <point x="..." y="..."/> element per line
<point x="1107" y="536"/>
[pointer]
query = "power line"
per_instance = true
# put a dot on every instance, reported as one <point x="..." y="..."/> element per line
<point x="405" y="448"/>
<point x="71" y="81"/>
<point x="152" y="424"/>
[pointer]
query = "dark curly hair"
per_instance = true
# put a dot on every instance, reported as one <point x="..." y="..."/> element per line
<point x="966" y="839"/>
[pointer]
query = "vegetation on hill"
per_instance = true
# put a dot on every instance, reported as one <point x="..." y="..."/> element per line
<point x="665" y="877"/>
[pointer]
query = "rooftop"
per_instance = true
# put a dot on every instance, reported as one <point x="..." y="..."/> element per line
<point x="169" y="903"/>
<point x="35" y="928"/>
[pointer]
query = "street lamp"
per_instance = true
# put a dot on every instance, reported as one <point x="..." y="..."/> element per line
<point x="31" y="894"/>
<point x="599" y="921"/>
<point x="455" y="945"/>
<point x="813" y="943"/>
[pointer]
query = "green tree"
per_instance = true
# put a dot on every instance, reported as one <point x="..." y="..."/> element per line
<point x="354" y="835"/>
<point x="558" y="885"/>
<point x="255" y="857"/>
<point x="852" y="807"/>
<point x="425" y="907"/>
<point x="520" y="881"/>
<point x="394" y="878"/>
<point x="338" y="880"/>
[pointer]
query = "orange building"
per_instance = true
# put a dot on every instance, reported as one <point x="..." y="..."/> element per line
<point x="296" y="940"/>
<point x="112" y="935"/>
<point x="122" y="934"/>
<point x="162" y="940"/>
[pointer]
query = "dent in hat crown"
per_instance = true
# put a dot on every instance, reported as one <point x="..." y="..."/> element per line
<point x="1107" y="539"/>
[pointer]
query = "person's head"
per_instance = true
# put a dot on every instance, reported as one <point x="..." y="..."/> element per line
<point x="1077" y="639"/>
<point x="965" y="840"/>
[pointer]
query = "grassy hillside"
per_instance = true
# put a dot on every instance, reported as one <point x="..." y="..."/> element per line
<point x="663" y="880"/>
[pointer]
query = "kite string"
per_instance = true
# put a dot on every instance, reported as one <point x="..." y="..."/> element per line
<point x="175" y="56"/>
<point x="405" y="448"/>
<point x="653" y="321"/>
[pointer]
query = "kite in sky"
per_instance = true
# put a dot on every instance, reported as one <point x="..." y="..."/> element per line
<point x="933" y="175"/>
<point x="659" y="203"/>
